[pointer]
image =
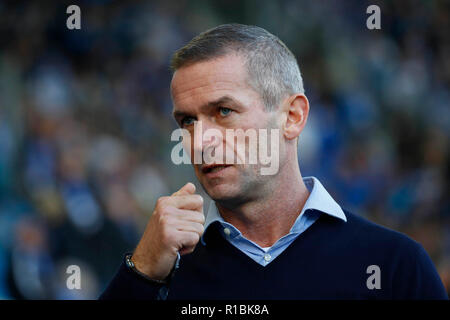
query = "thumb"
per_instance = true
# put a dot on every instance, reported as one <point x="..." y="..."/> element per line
<point x="188" y="188"/>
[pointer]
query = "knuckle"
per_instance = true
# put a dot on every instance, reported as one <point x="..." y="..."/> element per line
<point x="199" y="198"/>
<point x="195" y="238"/>
<point x="164" y="219"/>
<point x="167" y="236"/>
<point x="161" y="201"/>
<point x="198" y="217"/>
<point x="165" y="211"/>
<point x="200" y="229"/>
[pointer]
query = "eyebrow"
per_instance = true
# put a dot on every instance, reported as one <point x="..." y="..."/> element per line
<point x="222" y="100"/>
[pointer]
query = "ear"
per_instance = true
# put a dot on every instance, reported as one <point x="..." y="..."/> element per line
<point x="297" y="109"/>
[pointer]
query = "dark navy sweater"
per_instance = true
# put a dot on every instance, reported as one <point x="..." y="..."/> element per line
<point x="327" y="261"/>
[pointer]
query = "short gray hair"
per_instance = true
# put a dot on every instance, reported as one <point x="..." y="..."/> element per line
<point x="272" y="68"/>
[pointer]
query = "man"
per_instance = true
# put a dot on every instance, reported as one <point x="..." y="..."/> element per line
<point x="277" y="236"/>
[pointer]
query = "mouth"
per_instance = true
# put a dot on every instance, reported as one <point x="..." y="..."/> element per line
<point x="213" y="168"/>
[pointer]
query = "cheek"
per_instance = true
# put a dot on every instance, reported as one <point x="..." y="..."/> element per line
<point x="187" y="146"/>
<point x="188" y="143"/>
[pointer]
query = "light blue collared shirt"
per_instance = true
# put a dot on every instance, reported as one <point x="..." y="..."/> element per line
<point x="319" y="199"/>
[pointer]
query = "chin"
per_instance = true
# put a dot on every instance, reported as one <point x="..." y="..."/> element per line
<point x="222" y="192"/>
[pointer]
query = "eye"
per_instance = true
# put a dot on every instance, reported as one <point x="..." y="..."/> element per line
<point x="224" y="111"/>
<point x="187" y="121"/>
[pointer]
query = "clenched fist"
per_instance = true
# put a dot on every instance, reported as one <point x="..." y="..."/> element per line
<point x="176" y="225"/>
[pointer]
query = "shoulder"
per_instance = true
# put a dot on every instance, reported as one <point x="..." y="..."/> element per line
<point x="361" y="238"/>
<point x="406" y="266"/>
<point x="363" y="230"/>
<point x="411" y="269"/>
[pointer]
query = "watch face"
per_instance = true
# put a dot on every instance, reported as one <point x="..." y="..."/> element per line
<point x="129" y="262"/>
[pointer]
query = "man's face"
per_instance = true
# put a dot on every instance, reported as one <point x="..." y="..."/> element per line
<point x="217" y="94"/>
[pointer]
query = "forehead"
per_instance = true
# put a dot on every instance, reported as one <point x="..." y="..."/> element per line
<point x="202" y="82"/>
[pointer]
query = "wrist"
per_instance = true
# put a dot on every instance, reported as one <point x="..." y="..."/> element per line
<point x="135" y="267"/>
<point x="130" y="263"/>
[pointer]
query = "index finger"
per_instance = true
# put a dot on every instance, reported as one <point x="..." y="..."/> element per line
<point x="189" y="201"/>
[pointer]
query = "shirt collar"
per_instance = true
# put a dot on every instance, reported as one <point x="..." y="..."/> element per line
<point x="319" y="199"/>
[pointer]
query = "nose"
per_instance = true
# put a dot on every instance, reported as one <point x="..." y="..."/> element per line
<point x="206" y="135"/>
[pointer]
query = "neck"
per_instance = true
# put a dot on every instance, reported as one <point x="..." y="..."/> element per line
<point x="270" y="217"/>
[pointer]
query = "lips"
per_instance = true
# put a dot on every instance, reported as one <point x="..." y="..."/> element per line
<point x="213" y="168"/>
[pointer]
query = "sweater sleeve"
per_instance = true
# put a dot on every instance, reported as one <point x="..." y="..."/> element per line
<point x="128" y="285"/>
<point x="416" y="278"/>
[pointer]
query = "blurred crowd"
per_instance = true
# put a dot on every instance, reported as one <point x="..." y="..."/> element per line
<point x="85" y="124"/>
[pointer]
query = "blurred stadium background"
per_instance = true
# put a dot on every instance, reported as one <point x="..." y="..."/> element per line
<point x="85" y="123"/>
